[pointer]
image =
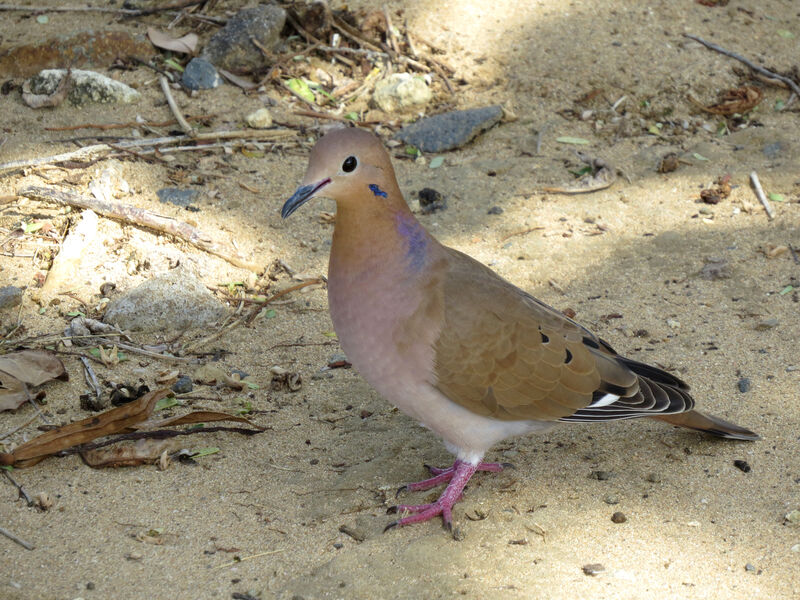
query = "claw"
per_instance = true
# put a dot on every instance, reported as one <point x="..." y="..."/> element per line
<point x="391" y="525"/>
<point x="400" y="490"/>
<point x="392" y="510"/>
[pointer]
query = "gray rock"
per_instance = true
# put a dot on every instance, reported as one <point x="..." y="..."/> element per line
<point x="86" y="87"/>
<point x="744" y="385"/>
<point x="400" y="91"/>
<point x="183" y="385"/>
<point x="495" y="210"/>
<point x="231" y="47"/>
<point x="172" y="301"/>
<point x="200" y="74"/>
<point x="448" y="131"/>
<point x="10" y="296"/>
<point x="177" y="196"/>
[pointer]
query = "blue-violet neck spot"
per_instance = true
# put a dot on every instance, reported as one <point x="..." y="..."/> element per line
<point x="376" y="189"/>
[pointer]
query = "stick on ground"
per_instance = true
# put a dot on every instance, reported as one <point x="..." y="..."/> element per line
<point x="761" y="196"/>
<point x="757" y="68"/>
<point x="141" y="218"/>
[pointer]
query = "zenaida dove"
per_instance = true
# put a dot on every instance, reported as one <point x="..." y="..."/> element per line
<point x="452" y="344"/>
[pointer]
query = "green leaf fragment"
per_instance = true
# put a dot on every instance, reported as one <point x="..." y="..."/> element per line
<point x="300" y="87"/>
<point x="572" y="140"/>
<point x="170" y="62"/>
<point x="32" y="227"/>
<point x="413" y="151"/>
<point x="698" y="156"/>
<point x="205" y="452"/>
<point x="786" y="290"/>
<point x="76" y="313"/>
<point x="776" y="197"/>
<point x="436" y="162"/>
<point x="167" y="402"/>
<point x="270" y="314"/>
<point x="251" y="385"/>
<point x="785" y="34"/>
<point x="352" y="116"/>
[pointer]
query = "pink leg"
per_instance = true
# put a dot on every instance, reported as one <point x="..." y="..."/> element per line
<point x="444" y="475"/>
<point x="458" y="475"/>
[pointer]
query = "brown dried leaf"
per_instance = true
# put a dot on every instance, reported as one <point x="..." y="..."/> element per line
<point x="736" y="101"/>
<point x="198" y="416"/>
<point x="13" y="392"/>
<point x="147" y="451"/>
<point x="34" y="367"/>
<point x="116" y="420"/>
<point x="43" y="100"/>
<point x="184" y="45"/>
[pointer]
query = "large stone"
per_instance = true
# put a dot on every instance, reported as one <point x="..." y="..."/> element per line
<point x="232" y="48"/>
<point x="86" y="87"/>
<point x="175" y="300"/>
<point x="401" y="91"/>
<point x="451" y="130"/>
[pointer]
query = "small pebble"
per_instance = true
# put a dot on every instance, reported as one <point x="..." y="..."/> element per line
<point x="593" y="569"/>
<point x="767" y="324"/>
<point x="430" y="200"/>
<point x="259" y="119"/>
<point x="611" y="500"/>
<point x="749" y="568"/>
<point x="200" y="74"/>
<point x="183" y="385"/>
<point x="742" y="465"/>
<point x="338" y="545"/>
<point x="90" y="585"/>
<point x="458" y="534"/>
<point x="744" y="385"/>
<point x="653" y="478"/>
<point x="601" y="475"/>
<point x="793" y="517"/>
<point x="495" y="210"/>
<point x="619" y="517"/>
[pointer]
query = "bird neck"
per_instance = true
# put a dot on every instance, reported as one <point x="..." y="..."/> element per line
<point x="378" y="235"/>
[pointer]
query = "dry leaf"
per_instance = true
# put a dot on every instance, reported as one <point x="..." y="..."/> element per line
<point x="32" y="367"/>
<point x="185" y="45"/>
<point x="198" y="416"/>
<point x="43" y="100"/>
<point x="737" y="101"/>
<point x="13" y="393"/>
<point x="147" y="451"/>
<point x="116" y="420"/>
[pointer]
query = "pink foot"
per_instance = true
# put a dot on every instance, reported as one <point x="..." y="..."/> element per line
<point x="441" y="476"/>
<point x="458" y="475"/>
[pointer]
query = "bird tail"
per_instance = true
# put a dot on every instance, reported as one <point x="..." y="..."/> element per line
<point x="694" y="419"/>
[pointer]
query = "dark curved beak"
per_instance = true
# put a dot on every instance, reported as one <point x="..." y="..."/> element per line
<point x="301" y="196"/>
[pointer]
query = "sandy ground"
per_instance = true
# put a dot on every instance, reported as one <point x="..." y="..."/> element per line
<point x="263" y="516"/>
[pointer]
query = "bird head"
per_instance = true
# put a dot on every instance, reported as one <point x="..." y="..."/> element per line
<point x="349" y="166"/>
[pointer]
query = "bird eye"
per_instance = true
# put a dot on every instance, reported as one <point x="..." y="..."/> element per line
<point x="349" y="165"/>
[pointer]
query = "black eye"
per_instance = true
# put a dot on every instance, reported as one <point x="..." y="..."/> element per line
<point x="349" y="165"/>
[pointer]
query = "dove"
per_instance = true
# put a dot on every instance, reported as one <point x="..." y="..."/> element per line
<point x="455" y="346"/>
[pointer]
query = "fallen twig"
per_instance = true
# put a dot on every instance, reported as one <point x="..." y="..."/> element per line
<point x="118" y="11"/>
<point x="23" y="494"/>
<point x="91" y="379"/>
<point x="761" y="196"/>
<point x="757" y="68"/>
<point x="173" y="106"/>
<point x="521" y="232"/>
<point x="20" y="541"/>
<point x="142" y="218"/>
<point x="99" y="149"/>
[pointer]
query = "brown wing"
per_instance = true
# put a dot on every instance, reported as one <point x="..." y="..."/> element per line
<point x="504" y="354"/>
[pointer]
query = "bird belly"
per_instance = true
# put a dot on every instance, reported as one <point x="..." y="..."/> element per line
<point x="395" y="357"/>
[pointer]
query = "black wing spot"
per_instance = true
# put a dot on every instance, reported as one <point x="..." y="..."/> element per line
<point x="569" y="358"/>
<point x="591" y="343"/>
<point x="545" y="339"/>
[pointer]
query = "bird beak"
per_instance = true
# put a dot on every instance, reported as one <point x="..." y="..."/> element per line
<point x="301" y="196"/>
